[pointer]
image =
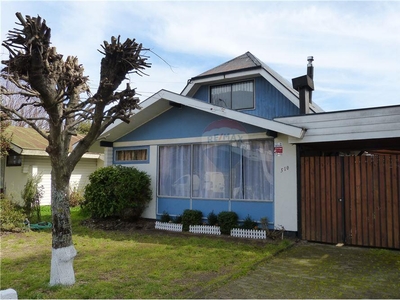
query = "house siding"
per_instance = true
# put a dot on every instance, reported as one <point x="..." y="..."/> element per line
<point x="16" y="177"/>
<point x="178" y="123"/>
<point x="187" y="126"/>
<point x="270" y="103"/>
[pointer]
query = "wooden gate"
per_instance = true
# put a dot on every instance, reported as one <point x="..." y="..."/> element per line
<point x="351" y="199"/>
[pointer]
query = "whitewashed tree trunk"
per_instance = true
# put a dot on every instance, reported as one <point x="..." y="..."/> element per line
<point x="62" y="268"/>
<point x="63" y="250"/>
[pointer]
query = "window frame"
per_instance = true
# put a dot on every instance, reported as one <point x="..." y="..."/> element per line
<point x="231" y="84"/>
<point x="136" y="161"/>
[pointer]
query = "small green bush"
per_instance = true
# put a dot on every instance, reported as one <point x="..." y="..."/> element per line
<point x="248" y="223"/>
<point x="165" y="217"/>
<point x="227" y="220"/>
<point x="32" y="193"/>
<point x="191" y="217"/>
<point x="212" y="219"/>
<point x="117" y="191"/>
<point x="11" y="216"/>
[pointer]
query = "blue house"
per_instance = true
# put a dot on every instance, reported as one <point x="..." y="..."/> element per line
<point x="216" y="146"/>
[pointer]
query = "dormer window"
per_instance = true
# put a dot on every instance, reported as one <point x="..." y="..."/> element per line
<point x="238" y="95"/>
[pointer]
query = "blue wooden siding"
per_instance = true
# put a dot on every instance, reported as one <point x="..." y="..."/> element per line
<point x="203" y="94"/>
<point x="269" y="102"/>
<point x="178" y="123"/>
<point x="255" y="209"/>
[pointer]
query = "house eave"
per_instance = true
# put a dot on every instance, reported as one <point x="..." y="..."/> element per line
<point x="160" y="102"/>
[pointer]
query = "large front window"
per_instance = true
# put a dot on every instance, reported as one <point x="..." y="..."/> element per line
<point x="242" y="170"/>
<point x="236" y="96"/>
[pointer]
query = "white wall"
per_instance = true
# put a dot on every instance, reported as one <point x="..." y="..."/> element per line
<point x="16" y="177"/>
<point x="151" y="169"/>
<point x="286" y="185"/>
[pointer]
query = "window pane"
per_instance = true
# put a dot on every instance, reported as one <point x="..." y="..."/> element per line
<point x="221" y="96"/>
<point x="252" y="171"/>
<point x="242" y="95"/>
<point x="211" y="164"/>
<point x="131" y="155"/>
<point x="174" y="177"/>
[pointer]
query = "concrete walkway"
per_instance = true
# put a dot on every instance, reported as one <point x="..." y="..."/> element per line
<point x="309" y="270"/>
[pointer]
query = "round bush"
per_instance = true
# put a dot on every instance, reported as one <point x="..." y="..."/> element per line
<point x="117" y="191"/>
<point x="227" y="220"/>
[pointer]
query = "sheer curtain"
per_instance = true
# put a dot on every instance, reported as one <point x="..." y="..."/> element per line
<point x="252" y="171"/>
<point x="211" y="163"/>
<point x="174" y="176"/>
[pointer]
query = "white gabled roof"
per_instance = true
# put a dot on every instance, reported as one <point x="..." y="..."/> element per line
<point x="245" y="66"/>
<point x="160" y="102"/>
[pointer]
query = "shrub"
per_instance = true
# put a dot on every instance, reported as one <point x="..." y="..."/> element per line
<point x="191" y="217"/>
<point x="117" y="191"/>
<point x="11" y="216"/>
<point x="212" y="219"/>
<point x="165" y="217"/>
<point x="75" y="197"/>
<point x="227" y="220"/>
<point x="178" y="219"/>
<point x="32" y="194"/>
<point x="248" y="223"/>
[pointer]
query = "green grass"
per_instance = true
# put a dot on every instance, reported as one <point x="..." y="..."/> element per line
<point x="132" y="264"/>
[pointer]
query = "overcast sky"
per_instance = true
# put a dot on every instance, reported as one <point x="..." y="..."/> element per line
<point x="356" y="45"/>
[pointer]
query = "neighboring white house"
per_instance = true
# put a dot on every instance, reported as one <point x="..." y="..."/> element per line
<point x="28" y="157"/>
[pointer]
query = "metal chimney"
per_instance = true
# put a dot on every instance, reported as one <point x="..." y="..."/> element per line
<point x="305" y="85"/>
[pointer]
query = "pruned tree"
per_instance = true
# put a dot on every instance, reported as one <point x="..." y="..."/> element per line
<point x="13" y="100"/>
<point x="42" y="76"/>
<point x="5" y="138"/>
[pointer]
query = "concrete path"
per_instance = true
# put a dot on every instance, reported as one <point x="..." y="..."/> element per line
<point x="309" y="270"/>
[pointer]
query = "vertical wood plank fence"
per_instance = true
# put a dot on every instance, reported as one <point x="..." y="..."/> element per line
<point x="351" y="199"/>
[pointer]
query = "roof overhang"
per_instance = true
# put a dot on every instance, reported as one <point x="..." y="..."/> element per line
<point x="371" y="124"/>
<point x="161" y="102"/>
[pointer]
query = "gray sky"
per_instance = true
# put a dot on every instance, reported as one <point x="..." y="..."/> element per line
<point x="355" y="44"/>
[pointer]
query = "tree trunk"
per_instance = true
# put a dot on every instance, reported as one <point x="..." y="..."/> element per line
<point x="63" y="250"/>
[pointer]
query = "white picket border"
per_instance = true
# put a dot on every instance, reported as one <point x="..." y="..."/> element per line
<point x="205" y="229"/>
<point x="168" y="226"/>
<point x="248" y="233"/>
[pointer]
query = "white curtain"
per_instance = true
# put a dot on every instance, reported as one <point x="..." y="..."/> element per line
<point x="248" y="167"/>
<point x="174" y="171"/>
<point x="253" y="171"/>
<point x="211" y="165"/>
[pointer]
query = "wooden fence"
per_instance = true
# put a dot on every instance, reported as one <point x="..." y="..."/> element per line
<point x="351" y="199"/>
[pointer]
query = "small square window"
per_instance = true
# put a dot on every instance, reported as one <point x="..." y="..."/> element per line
<point x="14" y="159"/>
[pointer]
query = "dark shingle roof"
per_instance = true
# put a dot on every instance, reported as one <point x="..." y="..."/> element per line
<point x="242" y="62"/>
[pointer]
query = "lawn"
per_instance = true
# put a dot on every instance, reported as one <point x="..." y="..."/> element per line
<point x="134" y="264"/>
